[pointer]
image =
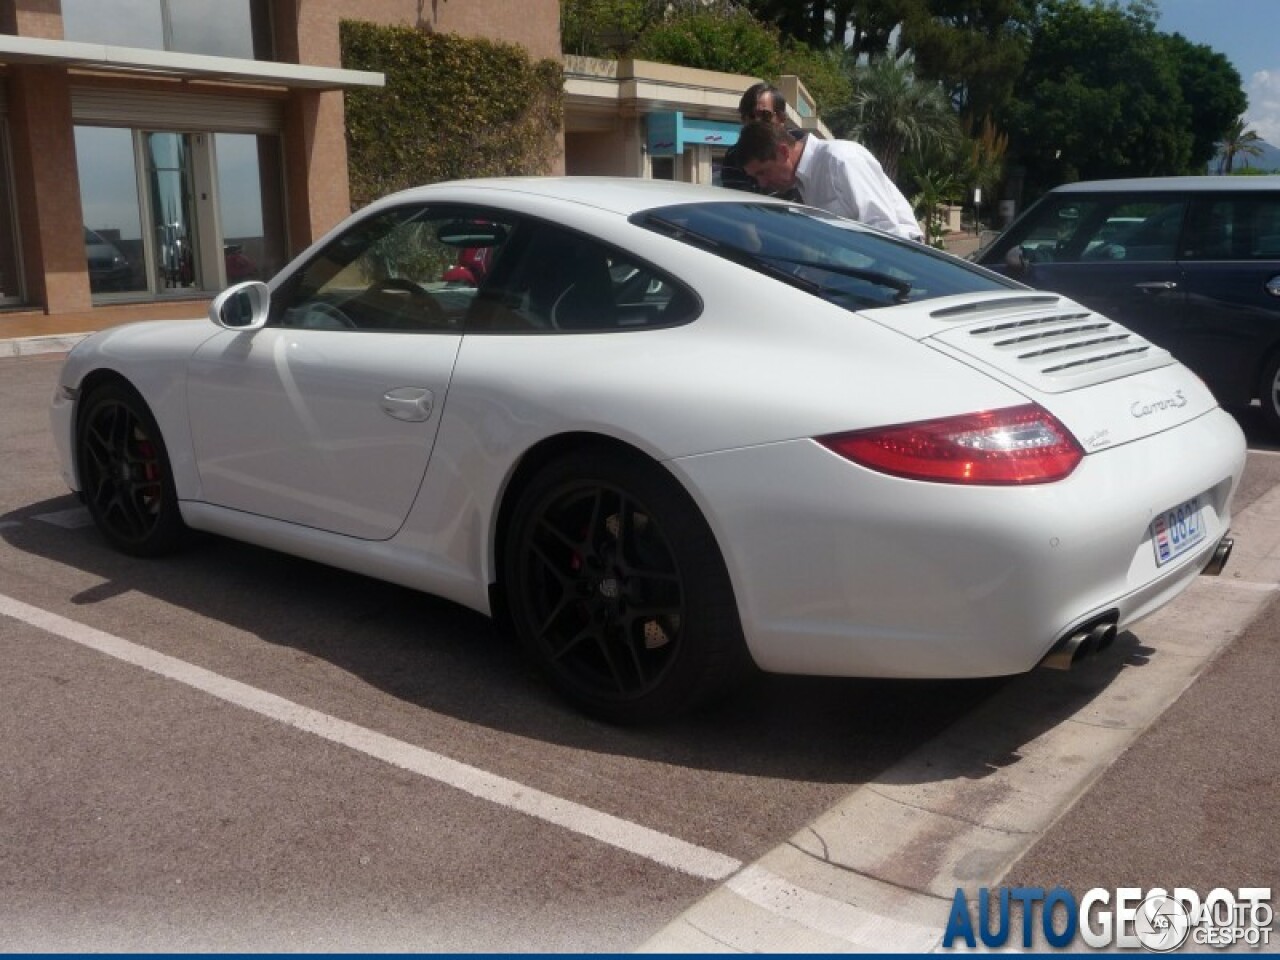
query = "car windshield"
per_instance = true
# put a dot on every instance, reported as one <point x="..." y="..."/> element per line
<point x="827" y="256"/>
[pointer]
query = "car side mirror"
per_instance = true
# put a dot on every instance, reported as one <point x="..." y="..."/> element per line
<point x="1016" y="260"/>
<point x="244" y="306"/>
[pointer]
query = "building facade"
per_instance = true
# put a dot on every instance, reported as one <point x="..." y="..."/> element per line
<point x="637" y="118"/>
<point x="152" y="151"/>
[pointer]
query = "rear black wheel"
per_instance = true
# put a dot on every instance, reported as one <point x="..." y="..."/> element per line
<point x="124" y="472"/>
<point x="617" y="588"/>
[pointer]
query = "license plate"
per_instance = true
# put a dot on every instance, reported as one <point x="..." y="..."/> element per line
<point x="1176" y="531"/>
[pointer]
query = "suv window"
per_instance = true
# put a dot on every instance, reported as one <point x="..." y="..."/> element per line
<point x="1235" y="228"/>
<point x="1070" y="229"/>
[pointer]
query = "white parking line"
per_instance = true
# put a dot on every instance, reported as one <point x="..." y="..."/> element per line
<point x="658" y="847"/>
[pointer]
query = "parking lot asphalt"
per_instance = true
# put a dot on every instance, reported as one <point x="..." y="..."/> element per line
<point x="1151" y="767"/>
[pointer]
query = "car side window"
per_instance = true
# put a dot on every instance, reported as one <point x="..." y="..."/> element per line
<point x="1136" y="231"/>
<point x="554" y="280"/>
<point x="1245" y="227"/>
<point x="1074" y="229"/>
<point x="1047" y="234"/>
<point x="407" y="269"/>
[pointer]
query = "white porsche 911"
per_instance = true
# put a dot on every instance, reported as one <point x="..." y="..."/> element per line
<point x="670" y="432"/>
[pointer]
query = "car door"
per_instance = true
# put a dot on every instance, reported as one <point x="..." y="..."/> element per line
<point x="326" y="416"/>
<point x="1113" y="252"/>
<point x="1231" y="270"/>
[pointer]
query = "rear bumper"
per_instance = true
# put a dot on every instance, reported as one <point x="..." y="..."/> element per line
<point x="842" y="571"/>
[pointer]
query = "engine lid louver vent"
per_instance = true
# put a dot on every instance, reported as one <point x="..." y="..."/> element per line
<point x="1054" y="350"/>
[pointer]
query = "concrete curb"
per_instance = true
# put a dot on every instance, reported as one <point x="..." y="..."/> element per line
<point x="27" y="346"/>
<point x="879" y="870"/>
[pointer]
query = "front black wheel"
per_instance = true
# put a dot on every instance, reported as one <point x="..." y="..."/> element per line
<point x="124" y="472"/>
<point x="617" y="588"/>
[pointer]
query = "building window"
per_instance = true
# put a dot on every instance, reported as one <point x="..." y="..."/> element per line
<point x="10" y="265"/>
<point x="152" y="226"/>
<point x="251" y="205"/>
<point x="221" y="28"/>
<point x="113" y="244"/>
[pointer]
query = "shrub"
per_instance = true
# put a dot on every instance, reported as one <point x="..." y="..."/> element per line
<point x="731" y="41"/>
<point x="452" y="107"/>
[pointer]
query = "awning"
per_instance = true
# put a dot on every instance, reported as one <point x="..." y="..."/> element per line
<point x="116" y="60"/>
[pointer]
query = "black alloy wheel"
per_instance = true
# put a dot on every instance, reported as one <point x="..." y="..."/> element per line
<point x="618" y="590"/>
<point x="124" y="472"/>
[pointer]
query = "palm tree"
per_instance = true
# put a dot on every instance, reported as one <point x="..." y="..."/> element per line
<point x="892" y="113"/>
<point x="1238" y="142"/>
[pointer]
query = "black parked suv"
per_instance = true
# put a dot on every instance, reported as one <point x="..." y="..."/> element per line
<point x="1190" y="263"/>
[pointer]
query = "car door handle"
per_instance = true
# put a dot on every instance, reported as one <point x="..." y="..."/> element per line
<point x="1273" y="286"/>
<point x="1157" y="286"/>
<point x="411" y="404"/>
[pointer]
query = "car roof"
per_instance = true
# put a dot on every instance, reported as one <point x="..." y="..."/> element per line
<point x="1206" y="184"/>
<point x="622" y="195"/>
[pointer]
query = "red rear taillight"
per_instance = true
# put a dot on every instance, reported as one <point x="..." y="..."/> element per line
<point x="1016" y="445"/>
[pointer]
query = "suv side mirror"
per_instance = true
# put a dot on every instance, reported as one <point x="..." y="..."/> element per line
<point x="244" y="306"/>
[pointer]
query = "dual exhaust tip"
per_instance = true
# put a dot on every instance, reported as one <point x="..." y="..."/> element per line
<point x="1078" y="644"/>
<point x="1097" y="636"/>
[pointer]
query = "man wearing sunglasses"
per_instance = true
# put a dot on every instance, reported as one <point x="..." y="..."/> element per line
<point x="763" y="103"/>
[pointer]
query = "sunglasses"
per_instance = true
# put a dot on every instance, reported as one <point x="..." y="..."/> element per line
<point x="764" y="115"/>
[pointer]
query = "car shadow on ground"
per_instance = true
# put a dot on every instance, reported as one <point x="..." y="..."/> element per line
<point x="451" y="661"/>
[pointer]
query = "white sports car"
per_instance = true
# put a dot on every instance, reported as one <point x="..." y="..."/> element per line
<point x="670" y="432"/>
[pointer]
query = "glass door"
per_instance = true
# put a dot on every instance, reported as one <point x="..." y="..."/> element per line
<point x="171" y="197"/>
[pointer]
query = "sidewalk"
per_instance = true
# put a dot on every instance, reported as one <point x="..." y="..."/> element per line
<point x="960" y="244"/>
<point x="27" y="332"/>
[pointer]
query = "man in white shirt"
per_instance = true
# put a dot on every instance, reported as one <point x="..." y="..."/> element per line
<point x="839" y="176"/>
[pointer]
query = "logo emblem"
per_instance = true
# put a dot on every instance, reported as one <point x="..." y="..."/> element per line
<point x="1162" y="924"/>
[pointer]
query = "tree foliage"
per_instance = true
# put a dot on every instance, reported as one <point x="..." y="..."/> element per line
<point x="1238" y="141"/>
<point x="1212" y="90"/>
<point x="821" y="71"/>
<point x="713" y="38"/>
<point x="1099" y="97"/>
<point x="976" y="49"/>
<point x="605" y="28"/>
<point x="452" y="107"/>
<point x="893" y="114"/>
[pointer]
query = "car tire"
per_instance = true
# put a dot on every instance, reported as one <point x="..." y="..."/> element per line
<point x="1269" y="392"/>
<point x="616" y="587"/>
<point x="125" y="476"/>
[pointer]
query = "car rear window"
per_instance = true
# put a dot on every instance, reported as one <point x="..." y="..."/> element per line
<point x="836" y="259"/>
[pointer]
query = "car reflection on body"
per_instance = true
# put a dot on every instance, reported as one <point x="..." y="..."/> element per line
<point x="675" y="434"/>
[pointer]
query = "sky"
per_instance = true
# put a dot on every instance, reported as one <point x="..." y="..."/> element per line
<point x="1246" y="32"/>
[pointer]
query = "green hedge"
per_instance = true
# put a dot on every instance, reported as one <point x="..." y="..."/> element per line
<point x="453" y="107"/>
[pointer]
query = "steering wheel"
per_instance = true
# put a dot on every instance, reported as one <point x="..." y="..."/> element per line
<point x="325" y="316"/>
<point x="419" y="297"/>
